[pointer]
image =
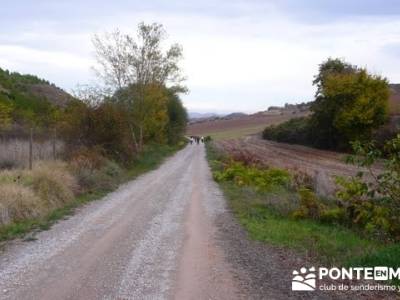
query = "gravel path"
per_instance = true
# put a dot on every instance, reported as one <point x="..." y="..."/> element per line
<point x="153" y="238"/>
<point x="165" y="235"/>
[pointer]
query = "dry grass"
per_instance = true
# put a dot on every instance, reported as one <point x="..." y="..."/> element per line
<point x="53" y="183"/>
<point x="18" y="202"/>
<point x="27" y="194"/>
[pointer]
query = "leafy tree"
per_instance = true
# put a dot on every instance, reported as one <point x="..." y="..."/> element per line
<point x="135" y="67"/>
<point x="362" y="101"/>
<point x="177" y="116"/>
<point x="103" y="127"/>
<point x="152" y="113"/>
<point x="330" y="67"/>
<point x="349" y="104"/>
<point x="164" y="117"/>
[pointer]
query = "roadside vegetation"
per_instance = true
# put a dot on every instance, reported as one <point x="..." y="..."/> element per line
<point x="110" y="133"/>
<point x="34" y="200"/>
<point x="280" y="207"/>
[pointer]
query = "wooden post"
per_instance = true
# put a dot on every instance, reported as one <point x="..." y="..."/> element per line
<point x="31" y="149"/>
<point x="54" y="144"/>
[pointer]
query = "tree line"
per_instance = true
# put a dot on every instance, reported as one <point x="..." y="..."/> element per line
<point x="350" y="104"/>
<point x="135" y="101"/>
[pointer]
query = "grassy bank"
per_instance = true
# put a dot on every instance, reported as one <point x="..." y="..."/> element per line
<point x="150" y="158"/>
<point x="264" y="214"/>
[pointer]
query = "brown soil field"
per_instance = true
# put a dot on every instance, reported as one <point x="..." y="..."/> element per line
<point x="322" y="166"/>
<point x="250" y="121"/>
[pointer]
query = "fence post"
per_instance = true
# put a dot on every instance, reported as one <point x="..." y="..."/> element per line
<point x="54" y="143"/>
<point x="31" y="149"/>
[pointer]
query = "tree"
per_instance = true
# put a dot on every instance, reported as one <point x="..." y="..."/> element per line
<point x="103" y="127"/>
<point x="177" y="116"/>
<point x="135" y="66"/>
<point x="362" y="101"/>
<point x="329" y="67"/>
<point x="152" y="113"/>
<point x="5" y="115"/>
<point x="349" y="104"/>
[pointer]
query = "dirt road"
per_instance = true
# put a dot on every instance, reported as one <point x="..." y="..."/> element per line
<point x="153" y="238"/>
<point x="165" y="235"/>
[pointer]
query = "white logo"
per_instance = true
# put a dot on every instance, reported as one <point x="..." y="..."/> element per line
<point x="305" y="280"/>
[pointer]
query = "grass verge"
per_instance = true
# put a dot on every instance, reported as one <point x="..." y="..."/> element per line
<point x="151" y="158"/>
<point x="331" y="245"/>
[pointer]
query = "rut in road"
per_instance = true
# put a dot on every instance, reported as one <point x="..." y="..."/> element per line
<point x="153" y="238"/>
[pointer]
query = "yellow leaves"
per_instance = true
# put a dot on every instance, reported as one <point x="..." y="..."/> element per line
<point x="5" y="115"/>
<point x="361" y="102"/>
<point x="155" y="113"/>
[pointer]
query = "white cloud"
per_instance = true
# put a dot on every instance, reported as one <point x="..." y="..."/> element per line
<point x="232" y="63"/>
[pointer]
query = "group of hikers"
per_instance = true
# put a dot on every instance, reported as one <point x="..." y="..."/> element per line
<point x="196" y="139"/>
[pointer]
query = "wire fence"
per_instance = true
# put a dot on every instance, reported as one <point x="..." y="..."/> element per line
<point x="20" y="148"/>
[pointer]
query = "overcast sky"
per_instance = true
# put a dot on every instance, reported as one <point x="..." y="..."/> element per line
<point x="238" y="55"/>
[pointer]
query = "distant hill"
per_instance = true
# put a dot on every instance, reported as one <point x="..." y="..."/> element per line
<point x="206" y="117"/>
<point x="32" y="100"/>
<point x="197" y="115"/>
<point x="235" y="115"/>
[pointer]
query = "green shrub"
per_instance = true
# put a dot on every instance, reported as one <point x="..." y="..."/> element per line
<point x="313" y="207"/>
<point x="112" y="169"/>
<point x="94" y="172"/>
<point x="310" y="206"/>
<point x="373" y="203"/>
<point x="208" y="138"/>
<point x="107" y="177"/>
<point x="260" y="179"/>
<point x="334" y="215"/>
<point x="295" y="131"/>
<point x="182" y="143"/>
